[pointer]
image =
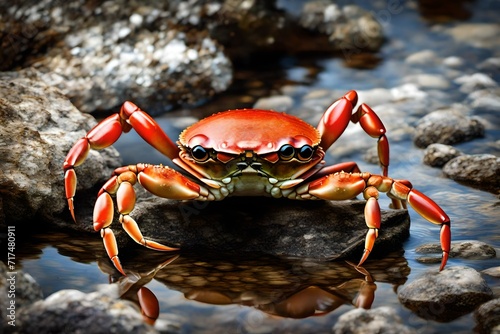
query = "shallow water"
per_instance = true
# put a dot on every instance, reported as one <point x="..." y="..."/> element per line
<point x="61" y="261"/>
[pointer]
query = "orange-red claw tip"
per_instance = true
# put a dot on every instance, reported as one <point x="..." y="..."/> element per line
<point x="118" y="265"/>
<point x="444" y="260"/>
<point x="71" y="208"/>
<point x="352" y="97"/>
<point x="364" y="257"/>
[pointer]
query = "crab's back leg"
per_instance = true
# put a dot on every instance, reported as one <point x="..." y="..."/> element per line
<point x="342" y="186"/>
<point x="107" y="132"/>
<point x="336" y="118"/>
<point x="159" y="180"/>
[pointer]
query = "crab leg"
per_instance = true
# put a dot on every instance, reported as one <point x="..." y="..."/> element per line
<point x="159" y="180"/>
<point x="337" y="117"/>
<point x="150" y="307"/>
<point x="342" y="186"/>
<point x="105" y="133"/>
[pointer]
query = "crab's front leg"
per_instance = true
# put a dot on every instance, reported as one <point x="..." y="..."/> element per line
<point x="336" y="118"/>
<point x="159" y="180"/>
<point x="106" y="133"/>
<point x="343" y="186"/>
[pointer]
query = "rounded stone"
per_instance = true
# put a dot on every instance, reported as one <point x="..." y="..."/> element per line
<point x="379" y="320"/>
<point x="448" y="126"/>
<point x="481" y="171"/>
<point x="436" y="155"/>
<point x="488" y="316"/>
<point x="445" y="295"/>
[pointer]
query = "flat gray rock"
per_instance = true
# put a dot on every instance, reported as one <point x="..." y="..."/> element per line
<point x="311" y="229"/>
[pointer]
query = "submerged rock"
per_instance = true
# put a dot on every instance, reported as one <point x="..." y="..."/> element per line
<point x="488" y="316"/>
<point x="448" y="126"/>
<point x="469" y="249"/>
<point x="445" y="295"/>
<point x="379" y="320"/>
<point x="481" y="170"/>
<point x="474" y="82"/>
<point x="437" y="155"/>
<point x="494" y="271"/>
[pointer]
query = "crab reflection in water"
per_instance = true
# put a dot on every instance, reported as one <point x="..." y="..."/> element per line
<point x="287" y="288"/>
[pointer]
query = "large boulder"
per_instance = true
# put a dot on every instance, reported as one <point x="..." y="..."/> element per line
<point x="39" y="126"/>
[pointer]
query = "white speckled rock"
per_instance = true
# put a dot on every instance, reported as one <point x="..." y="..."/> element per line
<point x="379" y="320"/>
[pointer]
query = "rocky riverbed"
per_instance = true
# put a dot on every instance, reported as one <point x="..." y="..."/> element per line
<point x="439" y="104"/>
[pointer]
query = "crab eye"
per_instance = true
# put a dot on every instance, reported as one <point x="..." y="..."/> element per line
<point x="305" y="152"/>
<point x="199" y="153"/>
<point x="287" y="152"/>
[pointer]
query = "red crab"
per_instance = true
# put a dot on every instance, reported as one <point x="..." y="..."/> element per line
<point x="246" y="152"/>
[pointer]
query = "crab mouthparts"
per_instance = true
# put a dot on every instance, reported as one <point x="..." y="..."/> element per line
<point x="249" y="165"/>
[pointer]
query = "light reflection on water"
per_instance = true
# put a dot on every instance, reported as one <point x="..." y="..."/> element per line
<point x="55" y="272"/>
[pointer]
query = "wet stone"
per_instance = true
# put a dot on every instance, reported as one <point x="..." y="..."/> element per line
<point x="445" y="295"/>
<point x="476" y="81"/>
<point x="494" y="271"/>
<point x="437" y="155"/>
<point x="471" y="249"/>
<point x="72" y="311"/>
<point x="378" y="320"/>
<point x="481" y="35"/>
<point x="485" y="98"/>
<point x="423" y="57"/>
<point x="448" y="126"/>
<point x="278" y="103"/>
<point x="488" y="316"/>
<point x="428" y="81"/>
<point x="453" y="61"/>
<point x="480" y="171"/>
